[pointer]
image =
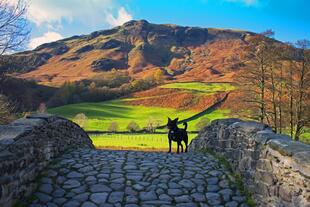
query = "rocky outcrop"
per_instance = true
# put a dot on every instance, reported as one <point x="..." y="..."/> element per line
<point x="274" y="168"/>
<point x="83" y="49"/>
<point x="23" y="62"/>
<point x="54" y="48"/>
<point x="30" y="60"/>
<point x="27" y="146"/>
<point x="106" y="64"/>
<point x="157" y="41"/>
<point x="110" y="44"/>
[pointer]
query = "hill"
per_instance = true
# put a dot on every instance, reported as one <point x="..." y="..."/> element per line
<point x="163" y="67"/>
<point x="139" y="48"/>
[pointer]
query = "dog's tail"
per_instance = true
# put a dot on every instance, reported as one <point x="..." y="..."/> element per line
<point x="185" y="125"/>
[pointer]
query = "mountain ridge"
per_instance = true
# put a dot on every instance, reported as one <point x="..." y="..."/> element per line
<point x="139" y="47"/>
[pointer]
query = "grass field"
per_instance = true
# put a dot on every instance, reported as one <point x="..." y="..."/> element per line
<point x="149" y="142"/>
<point x="205" y="88"/>
<point x="100" y="115"/>
<point x="305" y="138"/>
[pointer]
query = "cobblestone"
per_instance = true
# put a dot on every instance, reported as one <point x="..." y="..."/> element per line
<point x="95" y="178"/>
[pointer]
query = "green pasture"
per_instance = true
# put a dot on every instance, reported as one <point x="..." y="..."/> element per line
<point x="158" y="142"/>
<point x="100" y="115"/>
<point x="205" y="88"/>
<point x="305" y="138"/>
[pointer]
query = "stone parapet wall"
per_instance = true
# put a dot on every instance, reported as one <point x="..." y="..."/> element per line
<point x="27" y="146"/>
<point x="274" y="168"/>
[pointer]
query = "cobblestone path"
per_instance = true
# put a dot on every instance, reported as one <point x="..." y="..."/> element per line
<point x="97" y="178"/>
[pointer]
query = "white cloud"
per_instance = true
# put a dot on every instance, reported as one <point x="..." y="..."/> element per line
<point x="87" y="11"/>
<point x="123" y="16"/>
<point x="44" y="11"/>
<point x="47" y="37"/>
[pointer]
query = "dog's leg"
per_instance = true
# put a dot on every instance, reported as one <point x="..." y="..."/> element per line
<point x="169" y="146"/>
<point x="186" y="142"/>
<point x="178" y="148"/>
<point x="185" y="145"/>
<point x="181" y="147"/>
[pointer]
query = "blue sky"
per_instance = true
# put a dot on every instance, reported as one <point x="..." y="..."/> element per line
<point x="56" y="19"/>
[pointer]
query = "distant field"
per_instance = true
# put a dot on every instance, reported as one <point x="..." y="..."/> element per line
<point x="100" y="115"/>
<point x="305" y="137"/>
<point x="150" y="142"/>
<point x="205" y="88"/>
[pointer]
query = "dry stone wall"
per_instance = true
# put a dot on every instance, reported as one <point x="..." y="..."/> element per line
<point x="27" y="146"/>
<point x="274" y="168"/>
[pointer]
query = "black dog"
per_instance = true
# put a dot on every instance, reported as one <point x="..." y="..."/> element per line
<point x="176" y="134"/>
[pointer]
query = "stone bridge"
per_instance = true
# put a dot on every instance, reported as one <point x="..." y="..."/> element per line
<point x="50" y="161"/>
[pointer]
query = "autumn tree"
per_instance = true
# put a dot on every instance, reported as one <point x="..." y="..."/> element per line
<point x="274" y="79"/>
<point x="159" y="76"/>
<point x="81" y="120"/>
<point x="288" y="90"/>
<point x="113" y="127"/>
<point x="277" y="84"/>
<point x="254" y="80"/>
<point x="133" y="126"/>
<point x="281" y="99"/>
<point x="296" y="78"/>
<point x="303" y="84"/>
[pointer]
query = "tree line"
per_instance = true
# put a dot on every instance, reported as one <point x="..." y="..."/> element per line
<point x="151" y="125"/>
<point x="102" y="87"/>
<point x="19" y="96"/>
<point x="276" y="84"/>
<point x="14" y="32"/>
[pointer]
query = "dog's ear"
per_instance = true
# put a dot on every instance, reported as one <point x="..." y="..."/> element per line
<point x="176" y="120"/>
<point x="169" y="120"/>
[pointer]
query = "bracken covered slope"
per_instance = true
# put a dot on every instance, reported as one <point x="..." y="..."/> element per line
<point x="183" y="53"/>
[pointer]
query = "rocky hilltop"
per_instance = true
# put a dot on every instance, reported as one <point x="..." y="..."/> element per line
<point x="186" y="53"/>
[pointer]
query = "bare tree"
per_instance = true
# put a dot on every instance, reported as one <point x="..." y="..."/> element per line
<point x="281" y="98"/>
<point x="152" y="124"/>
<point x="279" y="85"/>
<point x="275" y="84"/>
<point x="5" y="110"/>
<point x="302" y="87"/>
<point x="14" y="29"/>
<point x="14" y="33"/>
<point x="254" y="81"/>
<point x="289" y="88"/>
